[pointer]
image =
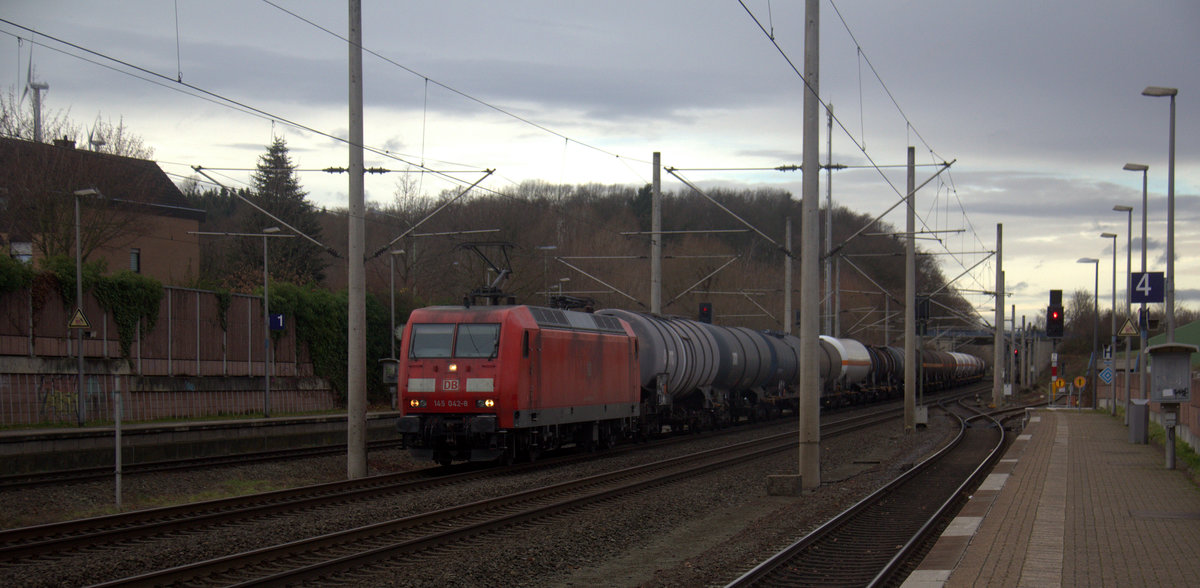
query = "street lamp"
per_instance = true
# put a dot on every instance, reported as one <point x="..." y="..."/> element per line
<point x="1142" y="309"/>
<point x="81" y="397"/>
<point x="392" y="295"/>
<point x="1095" y="321"/>
<point x="1157" y="91"/>
<point x="1128" y="210"/>
<point x="267" y="232"/>
<point x="1113" y="344"/>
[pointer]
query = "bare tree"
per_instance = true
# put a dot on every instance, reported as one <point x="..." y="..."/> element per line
<point x="103" y="136"/>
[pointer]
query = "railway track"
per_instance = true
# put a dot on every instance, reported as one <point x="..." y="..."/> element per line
<point x="355" y="551"/>
<point x="21" y="546"/>
<point x="871" y="543"/>
<point x="71" y="476"/>
<point x="105" y="530"/>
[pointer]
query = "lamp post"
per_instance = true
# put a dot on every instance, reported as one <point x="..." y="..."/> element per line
<point x="1157" y="91"/>
<point x="392" y="294"/>
<point x="1142" y="308"/>
<point x="1095" y="321"/>
<point x="1128" y="210"/>
<point x="1113" y="344"/>
<point x="81" y="397"/>
<point x="266" y="233"/>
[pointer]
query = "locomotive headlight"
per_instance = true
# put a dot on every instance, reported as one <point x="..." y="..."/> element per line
<point x="453" y="367"/>
<point x="488" y="403"/>
<point x="416" y="403"/>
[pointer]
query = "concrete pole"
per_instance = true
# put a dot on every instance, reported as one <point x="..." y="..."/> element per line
<point x="998" y="339"/>
<point x="1012" y="364"/>
<point x="656" y="237"/>
<point x="1023" y="365"/>
<point x="266" y="336"/>
<point x="356" y="365"/>
<point x="1095" y="337"/>
<point x="80" y="393"/>
<point x="810" y="308"/>
<point x="911" y="360"/>
<point x="837" y="298"/>
<point x="1128" y="270"/>
<point x="829" y="310"/>
<point x="1171" y="236"/>
<point x="1112" y="409"/>
<point x="787" y="277"/>
<point x="1143" y="386"/>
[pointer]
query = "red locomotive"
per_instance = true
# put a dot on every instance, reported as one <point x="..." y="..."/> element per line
<point x="500" y="382"/>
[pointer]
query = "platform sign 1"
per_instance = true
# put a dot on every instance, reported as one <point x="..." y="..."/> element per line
<point x="1148" y="287"/>
<point x="277" y="322"/>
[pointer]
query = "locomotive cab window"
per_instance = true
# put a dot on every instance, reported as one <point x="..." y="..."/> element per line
<point x="477" y="341"/>
<point x="431" y="341"/>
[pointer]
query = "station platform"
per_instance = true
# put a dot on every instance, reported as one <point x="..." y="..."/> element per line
<point x="1072" y="503"/>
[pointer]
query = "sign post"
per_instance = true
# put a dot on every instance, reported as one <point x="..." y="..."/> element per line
<point x="1146" y="287"/>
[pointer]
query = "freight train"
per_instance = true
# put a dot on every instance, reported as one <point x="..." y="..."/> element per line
<point x="497" y="383"/>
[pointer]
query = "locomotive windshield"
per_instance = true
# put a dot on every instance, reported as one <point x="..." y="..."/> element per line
<point x="477" y="341"/>
<point x="431" y="341"/>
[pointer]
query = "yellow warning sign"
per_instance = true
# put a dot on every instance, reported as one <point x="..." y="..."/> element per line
<point x="1080" y="381"/>
<point x="1059" y="383"/>
<point x="1127" y="330"/>
<point x="78" y="321"/>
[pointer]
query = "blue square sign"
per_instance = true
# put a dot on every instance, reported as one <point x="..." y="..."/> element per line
<point x="1147" y="287"/>
<point x="277" y="322"/>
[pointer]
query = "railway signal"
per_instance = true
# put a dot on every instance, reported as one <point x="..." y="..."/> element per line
<point x="1054" y="321"/>
<point x="706" y="310"/>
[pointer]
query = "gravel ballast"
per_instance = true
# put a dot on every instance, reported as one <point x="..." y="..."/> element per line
<point x="701" y="531"/>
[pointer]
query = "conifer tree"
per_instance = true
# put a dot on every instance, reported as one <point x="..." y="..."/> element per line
<point x="277" y="190"/>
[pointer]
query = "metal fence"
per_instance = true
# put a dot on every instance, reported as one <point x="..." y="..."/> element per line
<point x="193" y="336"/>
<point x="198" y="361"/>
<point x="54" y="399"/>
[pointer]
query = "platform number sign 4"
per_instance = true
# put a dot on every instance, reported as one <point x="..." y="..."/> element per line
<point x="1146" y="287"/>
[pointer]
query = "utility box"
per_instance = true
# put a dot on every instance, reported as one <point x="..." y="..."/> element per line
<point x="1171" y="372"/>
<point x="1139" y="421"/>
<point x="391" y="370"/>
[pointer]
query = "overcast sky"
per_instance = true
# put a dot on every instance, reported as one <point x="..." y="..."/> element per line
<point x="1038" y="103"/>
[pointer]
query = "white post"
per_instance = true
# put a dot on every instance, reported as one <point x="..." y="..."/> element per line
<point x="117" y="440"/>
<point x="356" y="364"/>
<point x="810" y="376"/>
<point x="998" y="336"/>
<point x="656" y="249"/>
<point x="911" y="356"/>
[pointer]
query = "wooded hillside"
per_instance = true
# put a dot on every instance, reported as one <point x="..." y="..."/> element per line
<point x="582" y="224"/>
